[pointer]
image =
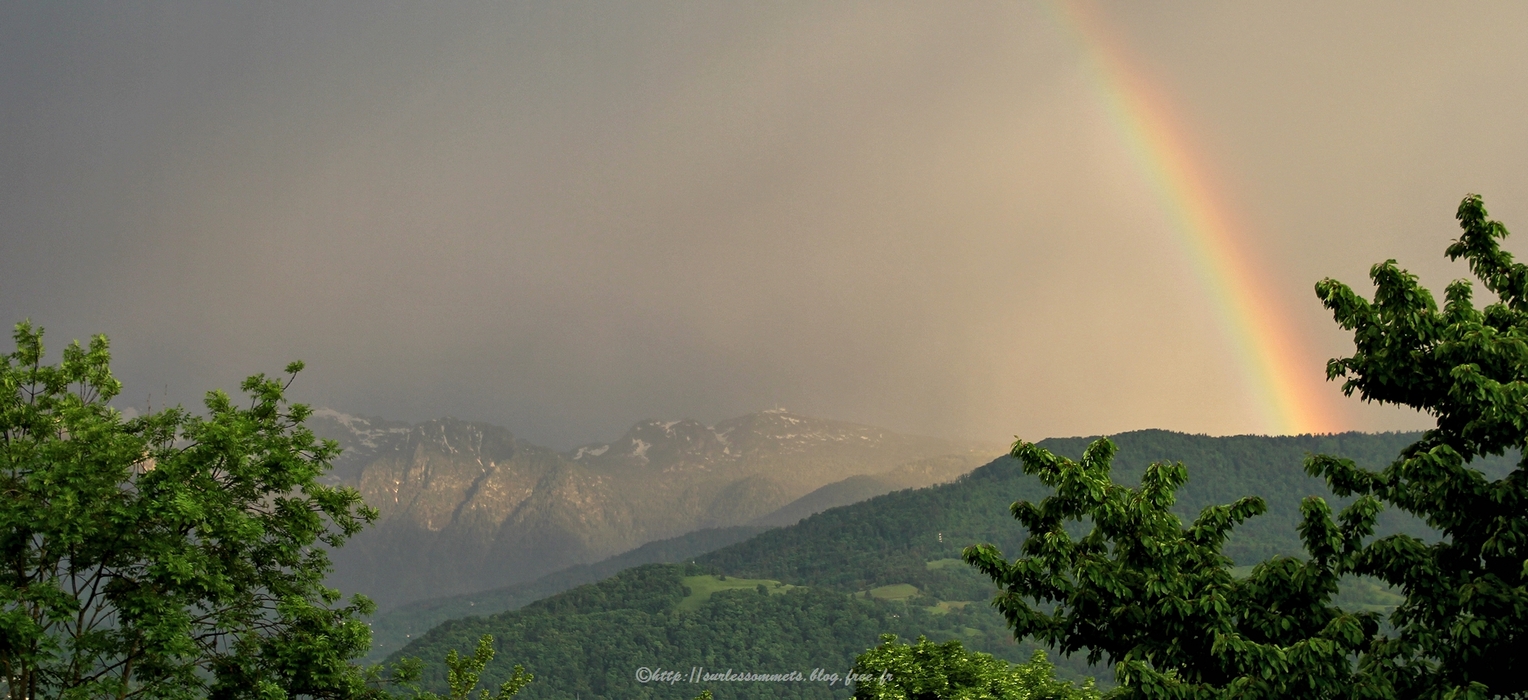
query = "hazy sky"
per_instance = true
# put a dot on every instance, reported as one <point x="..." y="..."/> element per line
<point x="563" y="218"/>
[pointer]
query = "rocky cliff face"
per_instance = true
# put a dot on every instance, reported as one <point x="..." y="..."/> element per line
<point x="467" y="506"/>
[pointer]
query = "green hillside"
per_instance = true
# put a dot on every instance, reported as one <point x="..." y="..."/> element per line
<point x="391" y="630"/>
<point x="590" y="642"/>
<point x="888" y="539"/>
<point x="884" y="565"/>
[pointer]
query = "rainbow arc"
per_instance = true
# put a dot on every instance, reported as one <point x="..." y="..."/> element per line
<point x="1269" y="348"/>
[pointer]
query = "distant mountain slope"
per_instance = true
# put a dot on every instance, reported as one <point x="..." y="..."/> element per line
<point x="880" y="541"/>
<point x="465" y="505"/>
<point x="393" y="629"/>
<point x="361" y="439"/>
<point x="924" y="472"/>
<point x="468" y="506"/>
<point x="893" y="559"/>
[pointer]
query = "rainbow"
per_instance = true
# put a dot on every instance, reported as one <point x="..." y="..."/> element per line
<point x="1275" y="361"/>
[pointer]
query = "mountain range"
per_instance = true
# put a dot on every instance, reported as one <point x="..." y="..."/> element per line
<point x="467" y="506"/>
<point x="814" y="594"/>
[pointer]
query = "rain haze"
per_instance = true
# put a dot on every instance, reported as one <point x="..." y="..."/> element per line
<point x="563" y="218"/>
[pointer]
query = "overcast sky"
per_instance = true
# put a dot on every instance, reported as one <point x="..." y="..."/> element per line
<point x="563" y="218"/>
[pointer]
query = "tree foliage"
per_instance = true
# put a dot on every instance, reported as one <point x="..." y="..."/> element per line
<point x="1464" y="623"/>
<point x="928" y="671"/>
<point x="463" y="673"/>
<point x="1159" y="600"/>
<point x="169" y="555"/>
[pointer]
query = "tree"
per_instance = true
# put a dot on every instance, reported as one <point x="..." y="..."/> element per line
<point x="1158" y="599"/>
<point x="168" y="555"/>
<point x="929" y="671"/>
<point x="1463" y="625"/>
<point x="462" y="673"/>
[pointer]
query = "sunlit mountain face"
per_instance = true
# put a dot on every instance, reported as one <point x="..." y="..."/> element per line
<point x="468" y="506"/>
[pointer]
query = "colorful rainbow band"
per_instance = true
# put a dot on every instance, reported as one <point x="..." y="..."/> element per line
<point x="1274" y="359"/>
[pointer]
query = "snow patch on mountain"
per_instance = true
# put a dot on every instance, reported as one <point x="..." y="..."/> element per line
<point x="366" y="434"/>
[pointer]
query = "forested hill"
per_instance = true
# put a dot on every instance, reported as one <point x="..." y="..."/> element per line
<point x="394" y="628"/>
<point x="880" y="541"/>
<point x="834" y="581"/>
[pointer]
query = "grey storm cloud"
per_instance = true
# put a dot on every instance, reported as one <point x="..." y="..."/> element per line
<point x="564" y="217"/>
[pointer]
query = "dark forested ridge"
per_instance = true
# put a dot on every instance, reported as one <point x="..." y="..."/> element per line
<point x="590" y="642"/>
<point x="886" y="539"/>
<point x="394" y="628"/>
<point x="839" y="578"/>
<point x="924" y="472"/>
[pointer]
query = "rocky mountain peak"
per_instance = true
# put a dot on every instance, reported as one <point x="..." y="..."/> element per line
<point x="670" y="445"/>
<point x="471" y="498"/>
<point x="361" y="439"/>
<point x="448" y="436"/>
<point x="687" y="445"/>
